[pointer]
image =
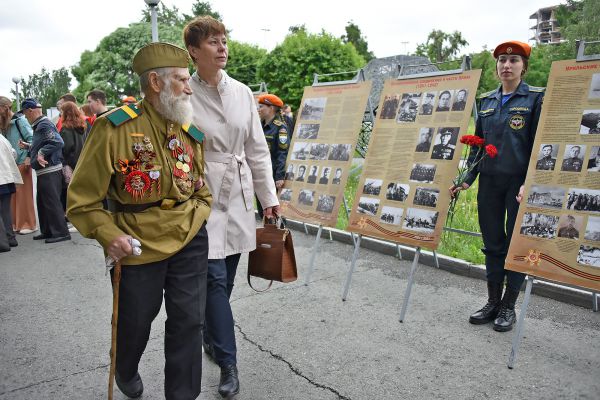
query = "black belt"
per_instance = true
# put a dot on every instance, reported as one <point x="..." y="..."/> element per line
<point x="115" y="206"/>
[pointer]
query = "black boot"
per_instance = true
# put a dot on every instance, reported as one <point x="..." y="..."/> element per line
<point x="132" y="388"/>
<point x="491" y="308"/>
<point x="506" y="315"/>
<point x="229" y="385"/>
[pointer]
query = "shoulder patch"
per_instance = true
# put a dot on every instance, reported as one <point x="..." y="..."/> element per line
<point x="537" y="89"/>
<point x="277" y="122"/>
<point x="123" y="114"/>
<point x="194" y="132"/>
<point x="487" y="94"/>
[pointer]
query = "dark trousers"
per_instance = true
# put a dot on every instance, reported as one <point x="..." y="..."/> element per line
<point x="50" y="211"/>
<point x="219" y="330"/>
<point x="497" y="208"/>
<point x="6" y="230"/>
<point x="182" y="277"/>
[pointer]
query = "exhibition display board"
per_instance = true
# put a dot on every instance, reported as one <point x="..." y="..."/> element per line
<point x="321" y="151"/>
<point x="413" y="157"/>
<point x="557" y="232"/>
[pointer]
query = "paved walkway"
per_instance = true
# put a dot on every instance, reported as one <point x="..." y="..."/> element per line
<point x="295" y="341"/>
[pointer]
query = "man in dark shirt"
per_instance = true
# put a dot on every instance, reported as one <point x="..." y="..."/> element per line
<point x="546" y="162"/>
<point x="569" y="231"/>
<point x="573" y="163"/>
<point x="312" y="178"/>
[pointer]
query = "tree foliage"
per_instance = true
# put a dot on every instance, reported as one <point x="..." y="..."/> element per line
<point x="47" y="86"/>
<point x="164" y="15"/>
<point x="354" y="35"/>
<point x="581" y="20"/>
<point x="441" y="46"/>
<point x="243" y="61"/>
<point x="291" y="65"/>
<point x="202" y="8"/>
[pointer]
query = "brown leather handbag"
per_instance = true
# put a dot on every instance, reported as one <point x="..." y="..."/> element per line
<point x="274" y="257"/>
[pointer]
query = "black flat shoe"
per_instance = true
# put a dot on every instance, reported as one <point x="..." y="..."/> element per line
<point x="13" y="243"/>
<point x="41" y="236"/>
<point x="229" y="384"/>
<point x="58" y="239"/>
<point x="132" y="388"/>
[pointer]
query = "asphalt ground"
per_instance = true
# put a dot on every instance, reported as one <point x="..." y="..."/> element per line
<point x="297" y="341"/>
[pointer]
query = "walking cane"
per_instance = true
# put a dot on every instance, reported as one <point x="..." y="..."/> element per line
<point x="115" y="317"/>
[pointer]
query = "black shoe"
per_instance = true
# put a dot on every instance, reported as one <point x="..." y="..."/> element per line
<point x="13" y="242"/>
<point x="41" y="236"/>
<point x="58" y="239"/>
<point x="490" y="311"/>
<point x="229" y="384"/>
<point x="507" y="316"/>
<point x="133" y="388"/>
<point x="4" y="249"/>
<point x="209" y="350"/>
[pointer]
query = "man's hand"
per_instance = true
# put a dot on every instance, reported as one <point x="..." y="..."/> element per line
<point x="41" y="160"/>
<point x="199" y="183"/>
<point x="455" y="189"/>
<point x="23" y="145"/>
<point x="119" y="248"/>
<point x="271" y="212"/>
<point x="279" y="184"/>
<point x="520" y="195"/>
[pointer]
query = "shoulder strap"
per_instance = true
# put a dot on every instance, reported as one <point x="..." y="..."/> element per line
<point x="19" y="128"/>
<point x="123" y="114"/>
<point x="194" y="132"/>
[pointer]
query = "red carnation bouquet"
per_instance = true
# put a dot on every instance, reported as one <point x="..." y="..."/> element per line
<point x="483" y="150"/>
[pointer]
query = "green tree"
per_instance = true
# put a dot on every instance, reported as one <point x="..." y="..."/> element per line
<point x="354" y="35"/>
<point x="487" y="64"/>
<point x="297" y="28"/>
<point x="164" y="15"/>
<point x="441" y="46"/>
<point x="243" y="61"/>
<point x="108" y="67"/>
<point x="47" y="86"/>
<point x="202" y="8"/>
<point x="291" y="65"/>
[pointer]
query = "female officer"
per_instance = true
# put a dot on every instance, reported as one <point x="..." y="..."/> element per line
<point x="508" y="119"/>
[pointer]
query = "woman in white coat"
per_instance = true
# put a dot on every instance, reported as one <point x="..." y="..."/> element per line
<point x="9" y="177"/>
<point x="238" y="164"/>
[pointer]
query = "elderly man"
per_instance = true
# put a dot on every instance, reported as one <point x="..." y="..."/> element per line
<point x="149" y="163"/>
<point x="45" y="152"/>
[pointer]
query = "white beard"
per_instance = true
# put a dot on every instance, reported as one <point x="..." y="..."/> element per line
<point x="177" y="109"/>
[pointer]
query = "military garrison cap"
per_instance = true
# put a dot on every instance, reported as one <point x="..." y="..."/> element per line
<point x="159" y="55"/>
<point x="513" y="47"/>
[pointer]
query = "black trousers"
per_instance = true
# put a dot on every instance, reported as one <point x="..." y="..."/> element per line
<point x="497" y="208"/>
<point x="182" y="277"/>
<point x="6" y="229"/>
<point x="50" y="210"/>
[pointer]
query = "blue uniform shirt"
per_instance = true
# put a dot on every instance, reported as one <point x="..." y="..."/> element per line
<point x="278" y="140"/>
<point x="510" y="127"/>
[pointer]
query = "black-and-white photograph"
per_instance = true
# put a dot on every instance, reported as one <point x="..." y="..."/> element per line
<point x="409" y="106"/>
<point x="460" y="100"/>
<point x="445" y="143"/>
<point x="290" y="172"/>
<point x="372" y="186"/>
<point x="426" y="196"/>
<point x="397" y="191"/>
<point x="300" y="151"/>
<point x="427" y="106"/>
<point x="594" y="92"/>
<point x="590" y="122"/>
<point x="313" y="174"/>
<point x="367" y="206"/>
<point x="389" y="107"/>
<point x="444" y="100"/>
<point x="423" y="173"/>
<point x="425" y="136"/>
<point x="546" y="196"/>
<point x="318" y="151"/>
<point x="301" y="175"/>
<point x="583" y="200"/>
<point x="337" y="176"/>
<point x="573" y="158"/>
<point x="420" y="220"/>
<point x="569" y="226"/>
<point x="308" y="131"/>
<point x="324" y="179"/>
<point x="594" y="161"/>
<point x="589" y="255"/>
<point x="286" y="195"/>
<point x="325" y="203"/>
<point x="547" y="157"/>
<point x="592" y="229"/>
<point x="391" y="215"/>
<point x="306" y="197"/>
<point x="340" y="152"/>
<point x="313" y="108"/>
<point x="539" y="225"/>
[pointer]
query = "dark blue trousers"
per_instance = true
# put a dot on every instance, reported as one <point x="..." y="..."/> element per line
<point x="219" y="328"/>
<point x="497" y="208"/>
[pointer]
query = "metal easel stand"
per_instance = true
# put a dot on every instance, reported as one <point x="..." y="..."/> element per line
<point x="411" y="278"/>
<point x="518" y="335"/>
<point x="356" y="242"/>
<point x="262" y="88"/>
<point x="311" y="265"/>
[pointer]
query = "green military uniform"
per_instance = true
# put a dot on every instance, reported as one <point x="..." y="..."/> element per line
<point x="128" y="158"/>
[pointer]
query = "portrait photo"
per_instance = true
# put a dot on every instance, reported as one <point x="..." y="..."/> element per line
<point x="460" y="100"/>
<point x="337" y="176"/>
<point x="324" y="178"/>
<point x="290" y="172"/>
<point x="428" y="100"/>
<point x="546" y="196"/>
<point x="301" y="175"/>
<point x="594" y="161"/>
<point x="420" y="220"/>
<point x="313" y="108"/>
<point x="569" y="226"/>
<point x="445" y="143"/>
<point x="424" y="142"/>
<point x="325" y="203"/>
<point x="390" y="106"/>
<point x="539" y="225"/>
<point x="573" y="158"/>
<point x="368" y="206"/>
<point x="313" y="174"/>
<point x="444" y="100"/>
<point x="308" y="131"/>
<point x="547" y="155"/>
<point x="372" y="186"/>
<point x="391" y="215"/>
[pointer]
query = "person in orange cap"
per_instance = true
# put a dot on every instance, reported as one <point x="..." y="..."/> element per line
<point x="129" y="100"/>
<point x="508" y="119"/>
<point x="276" y="134"/>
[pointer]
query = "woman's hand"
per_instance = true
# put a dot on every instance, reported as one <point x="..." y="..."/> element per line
<point x="455" y="189"/>
<point x="520" y="195"/>
<point x="271" y="212"/>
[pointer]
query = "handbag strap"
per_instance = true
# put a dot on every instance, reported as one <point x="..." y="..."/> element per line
<point x="256" y="290"/>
